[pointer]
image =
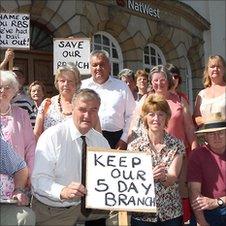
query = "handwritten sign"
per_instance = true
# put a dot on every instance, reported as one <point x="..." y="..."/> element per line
<point x="15" y="31"/>
<point x="119" y="180"/>
<point x="76" y="51"/>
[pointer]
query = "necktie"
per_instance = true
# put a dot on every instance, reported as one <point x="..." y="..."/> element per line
<point x="84" y="210"/>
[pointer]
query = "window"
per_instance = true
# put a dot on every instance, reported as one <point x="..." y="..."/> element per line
<point x="41" y="38"/>
<point x="103" y="40"/>
<point x="152" y="56"/>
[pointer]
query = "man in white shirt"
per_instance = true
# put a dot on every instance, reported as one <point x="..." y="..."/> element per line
<point x="56" y="178"/>
<point x="117" y="101"/>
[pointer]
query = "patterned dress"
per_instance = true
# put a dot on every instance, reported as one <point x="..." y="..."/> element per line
<point x="53" y="116"/>
<point x="168" y="200"/>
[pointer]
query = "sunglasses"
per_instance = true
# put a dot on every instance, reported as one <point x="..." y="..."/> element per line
<point x="176" y="76"/>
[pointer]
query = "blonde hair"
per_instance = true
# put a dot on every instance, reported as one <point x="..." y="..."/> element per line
<point x="155" y="102"/>
<point x="206" y="78"/>
<point x="68" y="67"/>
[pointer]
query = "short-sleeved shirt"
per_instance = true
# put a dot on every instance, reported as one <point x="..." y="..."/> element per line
<point x="208" y="168"/>
<point x="168" y="200"/>
<point x="10" y="161"/>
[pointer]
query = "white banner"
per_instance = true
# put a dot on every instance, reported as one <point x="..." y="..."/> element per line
<point x="119" y="180"/>
<point x="14" y="30"/>
<point x="72" y="50"/>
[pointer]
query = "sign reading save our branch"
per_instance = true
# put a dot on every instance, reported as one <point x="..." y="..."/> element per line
<point x="119" y="180"/>
<point x="15" y="30"/>
<point x="72" y="50"/>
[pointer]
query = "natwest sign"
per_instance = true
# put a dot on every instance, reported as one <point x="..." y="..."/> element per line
<point x="140" y="7"/>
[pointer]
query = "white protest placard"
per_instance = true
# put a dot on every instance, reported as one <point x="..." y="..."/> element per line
<point x="72" y="50"/>
<point x="119" y="181"/>
<point x="14" y="30"/>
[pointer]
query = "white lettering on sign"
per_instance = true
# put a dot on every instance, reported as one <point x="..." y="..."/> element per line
<point x="14" y="31"/>
<point x="143" y="8"/>
<point x="76" y="51"/>
<point x="120" y="181"/>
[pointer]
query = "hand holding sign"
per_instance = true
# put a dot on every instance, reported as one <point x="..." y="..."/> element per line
<point x="9" y="56"/>
<point x="73" y="190"/>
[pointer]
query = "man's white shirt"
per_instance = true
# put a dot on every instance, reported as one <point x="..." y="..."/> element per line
<point x="117" y="104"/>
<point x="58" y="161"/>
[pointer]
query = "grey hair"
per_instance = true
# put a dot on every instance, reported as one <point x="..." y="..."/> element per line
<point x="126" y="73"/>
<point x="70" y="66"/>
<point x="100" y="53"/>
<point x="85" y="94"/>
<point x="10" y="78"/>
<point x="162" y="69"/>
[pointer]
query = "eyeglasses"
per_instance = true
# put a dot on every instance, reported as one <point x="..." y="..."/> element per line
<point x="2" y="88"/>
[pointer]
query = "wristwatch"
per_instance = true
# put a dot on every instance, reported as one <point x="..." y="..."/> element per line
<point x="220" y="202"/>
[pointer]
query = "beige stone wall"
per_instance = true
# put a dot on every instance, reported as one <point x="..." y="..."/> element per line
<point x="178" y="32"/>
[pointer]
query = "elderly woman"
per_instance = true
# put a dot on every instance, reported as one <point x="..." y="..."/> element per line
<point x="37" y="92"/>
<point x="180" y="124"/>
<point x="212" y="99"/>
<point x="207" y="175"/>
<point x="15" y="123"/>
<point x="59" y="107"/>
<point x="127" y="76"/>
<point x="167" y="153"/>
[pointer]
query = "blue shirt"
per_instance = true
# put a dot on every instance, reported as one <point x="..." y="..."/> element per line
<point x="10" y="161"/>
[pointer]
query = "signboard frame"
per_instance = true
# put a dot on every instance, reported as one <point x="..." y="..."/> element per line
<point x="98" y="180"/>
<point x="13" y="29"/>
<point x="71" y="50"/>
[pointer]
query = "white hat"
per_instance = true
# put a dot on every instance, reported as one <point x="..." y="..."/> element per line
<point x="214" y="123"/>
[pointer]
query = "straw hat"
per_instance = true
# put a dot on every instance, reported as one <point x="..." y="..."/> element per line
<point x="214" y="123"/>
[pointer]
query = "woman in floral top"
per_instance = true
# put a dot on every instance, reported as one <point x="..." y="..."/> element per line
<point x="167" y="153"/>
<point x="58" y="108"/>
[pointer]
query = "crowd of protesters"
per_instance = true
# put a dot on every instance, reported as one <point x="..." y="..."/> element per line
<point x="42" y="141"/>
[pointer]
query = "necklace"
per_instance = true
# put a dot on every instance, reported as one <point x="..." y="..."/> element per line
<point x="7" y="112"/>
<point x="60" y="107"/>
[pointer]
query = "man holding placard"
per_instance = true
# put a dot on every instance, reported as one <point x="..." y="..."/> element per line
<point x="56" y="179"/>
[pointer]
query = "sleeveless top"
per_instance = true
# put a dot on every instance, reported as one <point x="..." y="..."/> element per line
<point x="53" y="115"/>
<point x="214" y="105"/>
<point x="176" y="125"/>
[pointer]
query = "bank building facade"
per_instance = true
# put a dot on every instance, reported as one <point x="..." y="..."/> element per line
<point x="136" y="34"/>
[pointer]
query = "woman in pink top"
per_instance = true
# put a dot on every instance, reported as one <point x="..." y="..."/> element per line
<point x="180" y="124"/>
<point x="15" y="123"/>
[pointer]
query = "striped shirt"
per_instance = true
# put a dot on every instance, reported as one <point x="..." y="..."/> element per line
<point x="23" y="101"/>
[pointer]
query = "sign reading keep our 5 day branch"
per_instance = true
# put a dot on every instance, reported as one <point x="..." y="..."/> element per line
<point x="14" y="30"/>
<point x="75" y="50"/>
<point x="121" y="181"/>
